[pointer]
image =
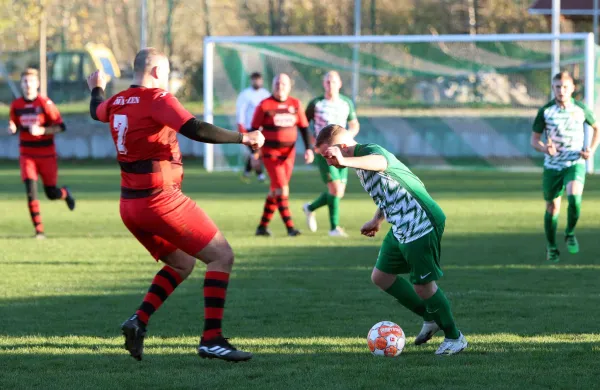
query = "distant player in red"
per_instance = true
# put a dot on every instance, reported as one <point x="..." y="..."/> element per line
<point x="280" y="116"/>
<point x="144" y="122"/>
<point x="37" y="119"/>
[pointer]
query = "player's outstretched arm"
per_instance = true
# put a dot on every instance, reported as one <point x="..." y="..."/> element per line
<point x="205" y="132"/>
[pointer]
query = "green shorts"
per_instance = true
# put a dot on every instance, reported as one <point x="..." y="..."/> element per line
<point x="330" y="173"/>
<point x="555" y="181"/>
<point x="419" y="258"/>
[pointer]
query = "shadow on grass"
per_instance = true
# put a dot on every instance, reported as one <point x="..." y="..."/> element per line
<point x="317" y="291"/>
<point x="103" y="178"/>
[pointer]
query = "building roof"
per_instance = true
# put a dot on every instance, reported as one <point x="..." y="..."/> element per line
<point x="567" y="7"/>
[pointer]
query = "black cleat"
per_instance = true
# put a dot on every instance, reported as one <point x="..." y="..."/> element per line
<point x="263" y="231"/>
<point x="134" y="331"/>
<point x="70" y="200"/>
<point x="219" y="348"/>
<point x="292" y="232"/>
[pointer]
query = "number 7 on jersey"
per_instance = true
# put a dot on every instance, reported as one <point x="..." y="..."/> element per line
<point x="120" y="126"/>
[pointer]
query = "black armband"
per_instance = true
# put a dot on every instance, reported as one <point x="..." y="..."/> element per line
<point x="205" y="132"/>
<point x="305" y="137"/>
<point x="96" y="99"/>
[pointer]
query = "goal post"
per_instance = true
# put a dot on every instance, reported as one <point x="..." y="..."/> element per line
<point x="434" y="100"/>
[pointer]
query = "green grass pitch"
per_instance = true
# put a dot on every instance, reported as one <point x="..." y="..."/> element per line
<point x="302" y="305"/>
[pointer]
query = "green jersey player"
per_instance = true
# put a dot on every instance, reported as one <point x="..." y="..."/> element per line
<point x="413" y="244"/>
<point x="332" y="108"/>
<point x="562" y="120"/>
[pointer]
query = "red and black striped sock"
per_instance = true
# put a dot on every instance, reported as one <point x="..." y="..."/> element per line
<point x="215" y="290"/>
<point x="268" y="211"/>
<point x="36" y="218"/>
<point x="284" y="210"/>
<point x="163" y="284"/>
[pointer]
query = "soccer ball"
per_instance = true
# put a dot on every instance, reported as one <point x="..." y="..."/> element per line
<point x="386" y="339"/>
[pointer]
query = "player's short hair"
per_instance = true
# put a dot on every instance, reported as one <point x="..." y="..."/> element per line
<point x="332" y="73"/>
<point x="563" y="75"/>
<point x="146" y="59"/>
<point x="30" y="72"/>
<point x="328" y="134"/>
<point x="256" y="75"/>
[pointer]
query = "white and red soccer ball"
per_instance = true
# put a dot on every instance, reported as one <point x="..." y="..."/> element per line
<point x="386" y="339"/>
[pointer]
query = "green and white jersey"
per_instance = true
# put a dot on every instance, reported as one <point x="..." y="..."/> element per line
<point x="564" y="126"/>
<point x="325" y="112"/>
<point x="400" y="195"/>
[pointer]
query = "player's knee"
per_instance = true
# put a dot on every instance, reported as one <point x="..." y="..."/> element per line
<point x="226" y="257"/>
<point x="552" y="208"/>
<point x="425" y="291"/>
<point x="184" y="270"/>
<point x="382" y="279"/>
<point x="337" y="189"/>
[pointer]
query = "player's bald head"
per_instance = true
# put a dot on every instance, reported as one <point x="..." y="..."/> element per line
<point x="146" y="59"/>
<point x="332" y="82"/>
<point x="282" y="85"/>
<point x="332" y="74"/>
<point x="283" y="78"/>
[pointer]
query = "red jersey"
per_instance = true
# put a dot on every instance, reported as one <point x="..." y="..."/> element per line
<point x="144" y="123"/>
<point x="40" y="111"/>
<point x="279" y="122"/>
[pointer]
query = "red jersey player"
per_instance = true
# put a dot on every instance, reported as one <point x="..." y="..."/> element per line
<point x="37" y="119"/>
<point x="280" y="116"/>
<point x="144" y="122"/>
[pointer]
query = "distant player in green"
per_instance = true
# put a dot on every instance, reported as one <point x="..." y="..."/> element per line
<point x="413" y="244"/>
<point x="562" y="121"/>
<point x="332" y="108"/>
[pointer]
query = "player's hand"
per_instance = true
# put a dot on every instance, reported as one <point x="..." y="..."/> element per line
<point x="309" y="156"/>
<point x="37" y="130"/>
<point x="370" y="228"/>
<point x="551" y="149"/>
<point x="586" y="153"/>
<point x="97" y="79"/>
<point x="254" y="139"/>
<point x="255" y="160"/>
<point x="12" y="128"/>
<point x="333" y="156"/>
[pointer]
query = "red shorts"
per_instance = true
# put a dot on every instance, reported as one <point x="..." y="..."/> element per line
<point x="280" y="171"/>
<point x="46" y="167"/>
<point x="168" y="221"/>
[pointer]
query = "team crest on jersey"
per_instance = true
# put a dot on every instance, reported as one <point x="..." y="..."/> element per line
<point x="292" y="109"/>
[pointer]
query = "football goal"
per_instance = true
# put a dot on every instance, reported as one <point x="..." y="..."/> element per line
<point x="443" y="101"/>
